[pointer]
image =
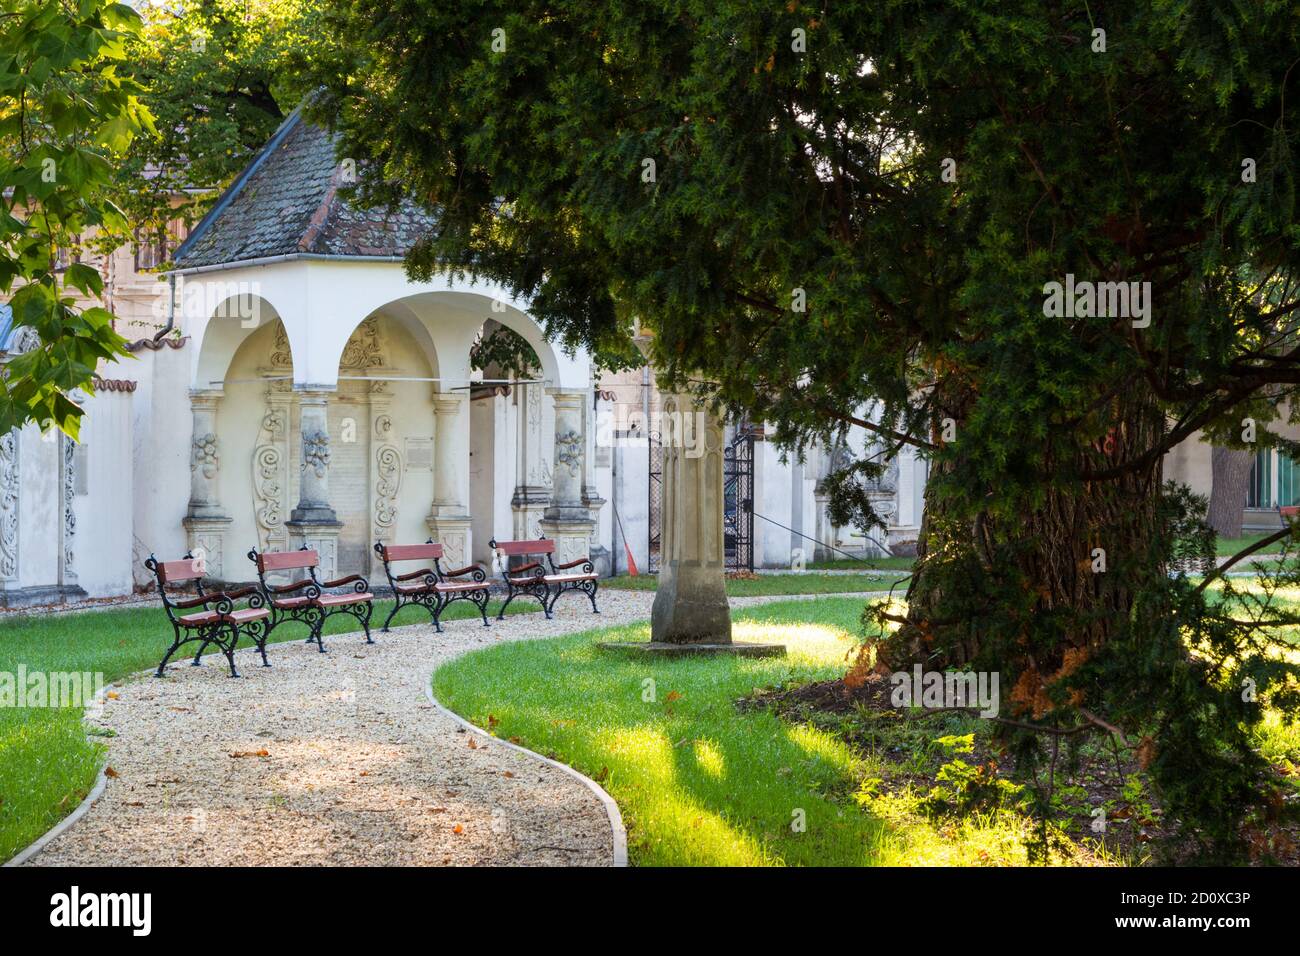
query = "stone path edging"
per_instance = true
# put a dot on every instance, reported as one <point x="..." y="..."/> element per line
<point x="611" y="808"/>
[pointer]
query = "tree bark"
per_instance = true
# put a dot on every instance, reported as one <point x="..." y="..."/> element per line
<point x="1231" y="472"/>
<point x="1035" y="595"/>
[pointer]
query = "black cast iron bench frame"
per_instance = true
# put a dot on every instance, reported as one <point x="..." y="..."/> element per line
<point x="431" y="588"/>
<point x="219" y="623"/>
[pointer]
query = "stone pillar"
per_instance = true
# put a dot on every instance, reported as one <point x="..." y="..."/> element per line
<point x="205" y="521"/>
<point x="568" y="521"/>
<point x="690" y="605"/>
<point x="599" y="554"/>
<point x="313" y="522"/>
<point x="531" y="495"/>
<point x="449" y="520"/>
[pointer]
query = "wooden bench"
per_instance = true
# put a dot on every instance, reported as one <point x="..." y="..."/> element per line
<point x="431" y="588"/>
<point x="308" y="600"/>
<point x="531" y="578"/>
<point x="219" y="622"/>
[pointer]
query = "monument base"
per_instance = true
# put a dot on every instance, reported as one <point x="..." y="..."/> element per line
<point x="665" y="649"/>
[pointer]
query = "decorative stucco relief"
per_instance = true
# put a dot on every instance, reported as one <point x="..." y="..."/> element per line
<point x="270" y="474"/>
<point x="388" y="472"/>
<point x="205" y="455"/>
<point x="9" y="505"/>
<point x="69" y="512"/>
<point x="316" y="452"/>
<point x="568" y="451"/>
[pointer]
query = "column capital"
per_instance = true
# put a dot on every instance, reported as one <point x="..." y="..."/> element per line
<point x="446" y="403"/>
<point x="572" y="397"/>
<point x="205" y="397"/>
<point x="313" y="394"/>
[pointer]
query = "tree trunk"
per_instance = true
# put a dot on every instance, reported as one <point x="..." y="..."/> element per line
<point x="1032" y="597"/>
<point x="1231" y="471"/>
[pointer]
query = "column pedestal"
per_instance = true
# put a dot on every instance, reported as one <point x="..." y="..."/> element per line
<point x="454" y="533"/>
<point x="321" y="537"/>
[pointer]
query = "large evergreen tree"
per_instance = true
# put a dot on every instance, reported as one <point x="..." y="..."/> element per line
<point x="822" y="208"/>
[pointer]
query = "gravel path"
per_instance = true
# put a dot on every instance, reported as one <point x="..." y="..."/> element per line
<point x="335" y="759"/>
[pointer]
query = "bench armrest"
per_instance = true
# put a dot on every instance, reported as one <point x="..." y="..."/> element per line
<point x="341" y="582"/>
<point x="524" y="567"/>
<point x="422" y="573"/>
<point x="198" y="601"/>
<point x="468" y="569"/>
<point x="574" y="564"/>
<point x="285" y="588"/>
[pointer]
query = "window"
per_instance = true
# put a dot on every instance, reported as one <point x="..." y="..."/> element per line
<point x="1274" y="481"/>
<point x="152" y="247"/>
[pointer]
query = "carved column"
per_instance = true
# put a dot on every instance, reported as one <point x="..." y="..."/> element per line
<point x="568" y="521"/>
<point x="449" y="521"/>
<point x="9" y="485"/>
<point x="690" y="605"/>
<point x="205" y="521"/>
<point x="591" y="498"/>
<point x="68" y="498"/>
<point x="531" y="494"/>
<point x="313" y="523"/>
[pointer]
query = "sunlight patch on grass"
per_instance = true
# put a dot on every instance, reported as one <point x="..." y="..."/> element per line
<point x="699" y="780"/>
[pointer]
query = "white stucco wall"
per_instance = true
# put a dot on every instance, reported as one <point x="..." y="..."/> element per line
<point x="39" y="508"/>
<point x="102" y="554"/>
<point x="161" y="431"/>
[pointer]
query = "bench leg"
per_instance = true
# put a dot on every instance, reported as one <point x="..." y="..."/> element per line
<point x="364" y="617"/>
<point x="436" y="612"/>
<point x="510" y="596"/>
<point x="592" y="595"/>
<point x="481" y="599"/>
<point x="258" y="632"/>
<point x="397" y="606"/>
<point x="199" y="653"/>
<point x="316" y="618"/>
<point x="176" y="643"/>
<point x="230" y="649"/>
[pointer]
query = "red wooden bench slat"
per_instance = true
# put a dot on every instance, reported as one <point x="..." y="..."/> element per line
<point x="412" y="552"/>
<point x="186" y="569"/>
<point x="287" y="560"/>
<point x="515" y="548"/>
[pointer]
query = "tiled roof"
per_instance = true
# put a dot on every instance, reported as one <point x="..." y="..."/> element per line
<point x="287" y="202"/>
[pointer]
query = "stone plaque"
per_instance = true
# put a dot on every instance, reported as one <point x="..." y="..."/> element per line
<point x="419" y="454"/>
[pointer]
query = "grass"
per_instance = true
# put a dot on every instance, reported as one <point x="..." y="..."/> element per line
<point x="47" y="766"/>
<point x="698" y="780"/>
<point x="773" y="584"/>
<point x="1227" y="547"/>
<point x="863" y="564"/>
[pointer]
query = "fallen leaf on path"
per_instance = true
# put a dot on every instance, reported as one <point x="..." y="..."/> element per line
<point x="110" y="772"/>
<point x="251" y="753"/>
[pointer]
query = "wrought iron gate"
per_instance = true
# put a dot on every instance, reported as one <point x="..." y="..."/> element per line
<point x="737" y="498"/>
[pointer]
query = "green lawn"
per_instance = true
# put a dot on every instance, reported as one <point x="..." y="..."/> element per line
<point x="699" y="781"/>
<point x="860" y="564"/>
<point x="1227" y="547"/>
<point x="774" y="584"/>
<point x="46" y="764"/>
